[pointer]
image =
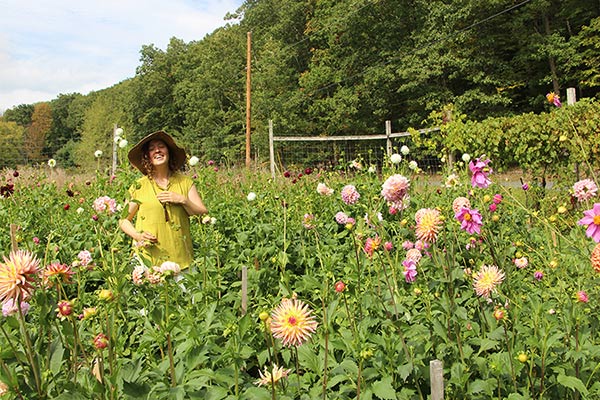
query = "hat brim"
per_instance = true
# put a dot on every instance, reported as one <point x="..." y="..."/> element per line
<point x="177" y="155"/>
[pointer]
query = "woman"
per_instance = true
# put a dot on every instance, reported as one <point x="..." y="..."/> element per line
<point x="161" y="202"/>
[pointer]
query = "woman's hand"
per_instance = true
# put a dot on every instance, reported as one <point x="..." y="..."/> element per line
<point x="146" y="237"/>
<point x="171" y="197"/>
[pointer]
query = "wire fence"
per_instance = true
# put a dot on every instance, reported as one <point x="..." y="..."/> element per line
<point x="334" y="152"/>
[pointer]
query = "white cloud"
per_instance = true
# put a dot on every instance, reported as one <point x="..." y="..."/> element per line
<point x="65" y="46"/>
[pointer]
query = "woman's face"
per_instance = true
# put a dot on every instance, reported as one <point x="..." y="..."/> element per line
<point x="158" y="152"/>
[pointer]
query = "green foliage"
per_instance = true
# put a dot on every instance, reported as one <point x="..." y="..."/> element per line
<point x="543" y="145"/>
<point x="375" y="337"/>
<point x="11" y="138"/>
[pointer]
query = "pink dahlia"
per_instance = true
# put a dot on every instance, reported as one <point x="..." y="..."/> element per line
<point x="592" y="220"/>
<point x="341" y="218"/>
<point x="585" y="189"/>
<point x="479" y="173"/>
<point x="350" y="195"/>
<point x="395" y="189"/>
<point x="470" y="220"/>
<point x="105" y="204"/>
<point x="410" y="270"/>
<point x="372" y="244"/>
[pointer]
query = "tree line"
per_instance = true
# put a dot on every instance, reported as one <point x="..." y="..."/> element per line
<point x="325" y="67"/>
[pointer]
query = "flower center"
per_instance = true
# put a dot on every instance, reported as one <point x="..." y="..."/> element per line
<point x="596" y="219"/>
<point x="292" y="320"/>
<point x="467" y="217"/>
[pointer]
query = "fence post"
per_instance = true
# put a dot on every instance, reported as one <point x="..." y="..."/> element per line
<point x="14" y="246"/>
<point x="114" y="151"/>
<point x="271" y="149"/>
<point x="244" y="289"/>
<point x="436" y="377"/>
<point x="571" y="96"/>
<point x="388" y="141"/>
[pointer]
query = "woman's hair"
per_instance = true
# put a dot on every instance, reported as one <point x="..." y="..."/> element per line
<point x="147" y="164"/>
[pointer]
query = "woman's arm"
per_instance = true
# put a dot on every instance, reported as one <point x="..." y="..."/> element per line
<point x="192" y="203"/>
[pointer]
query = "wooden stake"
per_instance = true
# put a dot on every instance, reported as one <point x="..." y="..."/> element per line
<point x="436" y="377"/>
<point x="244" y="290"/>
<point x="13" y="237"/>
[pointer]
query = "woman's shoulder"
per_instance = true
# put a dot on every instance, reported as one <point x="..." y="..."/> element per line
<point x="181" y="177"/>
<point x="139" y="183"/>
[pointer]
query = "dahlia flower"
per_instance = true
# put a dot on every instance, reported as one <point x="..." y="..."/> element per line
<point x="521" y="262"/>
<point x="553" y="98"/>
<point x="273" y="377"/>
<point x="16" y="275"/>
<point x="595" y="258"/>
<point x="585" y="189"/>
<point x="105" y="204"/>
<point x="410" y="270"/>
<point x="428" y="225"/>
<point x="395" y="158"/>
<point x="372" y="244"/>
<point x="479" y="173"/>
<point x="414" y="254"/>
<point x="341" y="218"/>
<point x="592" y="220"/>
<point x="395" y="189"/>
<point x="470" y="220"/>
<point x="57" y="272"/>
<point x="9" y="307"/>
<point x="292" y="322"/>
<point x="323" y="190"/>
<point x="582" y="296"/>
<point x="350" y="195"/>
<point x="487" y="280"/>
<point x="459" y="203"/>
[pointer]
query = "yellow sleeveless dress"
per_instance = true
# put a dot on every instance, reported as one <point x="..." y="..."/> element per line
<point x="170" y="223"/>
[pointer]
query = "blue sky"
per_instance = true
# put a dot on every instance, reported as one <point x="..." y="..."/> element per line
<point x="49" y="47"/>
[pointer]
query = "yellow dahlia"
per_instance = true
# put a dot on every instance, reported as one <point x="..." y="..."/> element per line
<point x="16" y="275"/>
<point x="271" y="378"/>
<point x="487" y="280"/>
<point x="292" y="322"/>
<point x="428" y="225"/>
<point x="596" y="258"/>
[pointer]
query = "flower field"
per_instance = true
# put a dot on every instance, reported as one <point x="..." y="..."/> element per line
<point x="337" y="284"/>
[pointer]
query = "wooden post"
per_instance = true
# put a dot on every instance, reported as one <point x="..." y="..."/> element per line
<point x="114" y="152"/>
<point x="13" y="237"/>
<point x="248" y="64"/>
<point x="271" y="149"/>
<point x="244" y="290"/>
<point x="436" y="377"/>
<point x="388" y="141"/>
<point x="571" y="96"/>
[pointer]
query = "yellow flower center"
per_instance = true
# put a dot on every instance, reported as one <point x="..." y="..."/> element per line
<point x="467" y="217"/>
<point x="596" y="219"/>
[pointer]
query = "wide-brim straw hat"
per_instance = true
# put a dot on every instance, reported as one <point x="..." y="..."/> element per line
<point x="177" y="155"/>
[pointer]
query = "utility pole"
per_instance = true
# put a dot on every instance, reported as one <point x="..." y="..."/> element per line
<point x="248" y="65"/>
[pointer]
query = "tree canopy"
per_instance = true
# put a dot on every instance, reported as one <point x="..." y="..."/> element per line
<point x="340" y="67"/>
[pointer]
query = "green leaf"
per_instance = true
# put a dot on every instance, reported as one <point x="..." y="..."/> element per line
<point x="57" y="357"/>
<point x="384" y="389"/>
<point x="573" y="383"/>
